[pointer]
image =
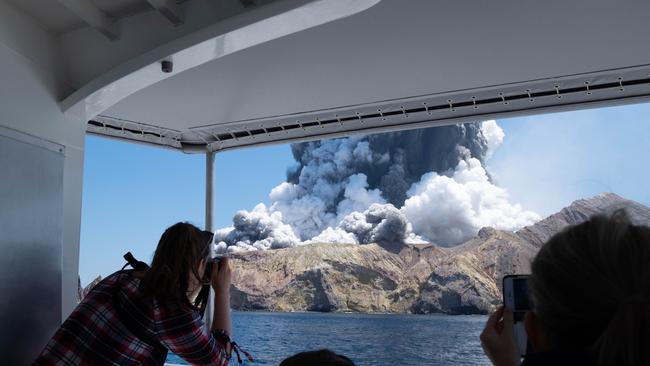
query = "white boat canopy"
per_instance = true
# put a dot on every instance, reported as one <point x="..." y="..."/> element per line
<point x="399" y="64"/>
<point x="212" y="75"/>
<point x="253" y="72"/>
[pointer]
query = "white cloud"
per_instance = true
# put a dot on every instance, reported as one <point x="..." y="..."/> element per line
<point x="450" y="210"/>
<point x="493" y="134"/>
<point x="334" y="235"/>
<point x="357" y="196"/>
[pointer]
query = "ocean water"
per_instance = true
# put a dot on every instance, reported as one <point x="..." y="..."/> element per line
<point x="368" y="339"/>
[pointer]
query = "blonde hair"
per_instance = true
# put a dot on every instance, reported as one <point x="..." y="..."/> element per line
<point x="590" y="285"/>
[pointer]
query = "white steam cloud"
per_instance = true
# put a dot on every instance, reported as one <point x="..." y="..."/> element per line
<point x="493" y="136"/>
<point x="328" y="197"/>
<point x="449" y="210"/>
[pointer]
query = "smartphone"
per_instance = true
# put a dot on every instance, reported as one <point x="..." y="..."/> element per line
<point x="516" y="298"/>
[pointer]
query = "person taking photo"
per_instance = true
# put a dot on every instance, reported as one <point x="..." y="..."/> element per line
<point x="134" y="317"/>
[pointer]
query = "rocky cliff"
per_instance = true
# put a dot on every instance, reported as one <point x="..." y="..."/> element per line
<point x="581" y="210"/>
<point x="416" y="278"/>
<point x="83" y="291"/>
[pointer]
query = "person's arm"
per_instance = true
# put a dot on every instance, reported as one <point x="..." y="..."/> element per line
<point x="221" y="285"/>
<point x="180" y="330"/>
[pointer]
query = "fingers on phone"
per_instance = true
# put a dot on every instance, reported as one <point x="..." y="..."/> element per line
<point x="508" y="321"/>
<point x="508" y="316"/>
<point x="493" y="320"/>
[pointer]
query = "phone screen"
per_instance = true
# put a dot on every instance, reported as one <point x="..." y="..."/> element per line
<point x="520" y="289"/>
<point x="516" y="297"/>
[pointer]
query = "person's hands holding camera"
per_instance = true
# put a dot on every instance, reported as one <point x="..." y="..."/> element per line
<point x="498" y="340"/>
<point x="221" y="278"/>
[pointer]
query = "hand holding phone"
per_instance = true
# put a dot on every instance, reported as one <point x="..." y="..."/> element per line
<point x="498" y="341"/>
<point x="516" y="299"/>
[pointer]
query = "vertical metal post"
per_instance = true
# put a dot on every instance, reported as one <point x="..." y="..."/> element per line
<point x="209" y="185"/>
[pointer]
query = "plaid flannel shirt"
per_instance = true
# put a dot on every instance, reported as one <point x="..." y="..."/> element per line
<point x="95" y="334"/>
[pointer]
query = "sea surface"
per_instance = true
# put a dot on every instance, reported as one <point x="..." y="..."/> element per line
<point x="368" y="339"/>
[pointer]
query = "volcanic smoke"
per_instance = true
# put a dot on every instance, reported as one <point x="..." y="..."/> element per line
<point x="428" y="185"/>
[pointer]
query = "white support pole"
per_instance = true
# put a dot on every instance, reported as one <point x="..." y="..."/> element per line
<point x="209" y="185"/>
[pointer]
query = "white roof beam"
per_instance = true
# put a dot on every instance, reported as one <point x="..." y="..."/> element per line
<point x="93" y="16"/>
<point x="169" y="9"/>
<point x="248" y="29"/>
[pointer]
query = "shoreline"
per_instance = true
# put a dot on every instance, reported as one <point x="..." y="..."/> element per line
<point x="357" y="313"/>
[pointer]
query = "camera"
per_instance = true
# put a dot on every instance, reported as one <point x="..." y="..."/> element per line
<point x="167" y="66"/>
<point x="210" y="266"/>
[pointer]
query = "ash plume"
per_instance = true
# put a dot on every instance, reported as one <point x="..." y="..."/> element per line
<point x="426" y="185"/>
<point x="257" y="229"/>
<point x="380" y="223"/>
<point x="393" y="161"/>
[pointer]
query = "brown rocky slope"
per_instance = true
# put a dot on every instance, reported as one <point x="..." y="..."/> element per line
<point x="420" y="278"/>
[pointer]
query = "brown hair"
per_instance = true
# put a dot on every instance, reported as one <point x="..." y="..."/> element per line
<point x="591" y="290"/>
<point x="180" y="250"/>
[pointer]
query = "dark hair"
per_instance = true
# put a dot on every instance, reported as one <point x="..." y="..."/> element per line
<point x="591" y="290"/>
<point x="322" y="357"/>
<point x="180" y="250"/>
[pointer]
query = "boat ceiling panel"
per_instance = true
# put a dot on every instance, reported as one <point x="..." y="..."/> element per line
<point x="58" y="19"/>
<point x="121" y="8"/>
<point x="51" y="15"/>
<point x="403" y="52"/>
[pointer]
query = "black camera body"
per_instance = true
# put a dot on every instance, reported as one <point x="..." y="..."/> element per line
<point x="210" y="266"/>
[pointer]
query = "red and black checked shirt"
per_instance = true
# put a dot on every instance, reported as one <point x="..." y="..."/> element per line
<point x="95" y="334"/>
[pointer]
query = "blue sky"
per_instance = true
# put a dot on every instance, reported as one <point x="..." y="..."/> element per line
<point x="133" y="192"/>
<point x="548" y="161"/>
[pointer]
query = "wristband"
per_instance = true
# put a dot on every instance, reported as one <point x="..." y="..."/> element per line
<point x="222" y="336"/>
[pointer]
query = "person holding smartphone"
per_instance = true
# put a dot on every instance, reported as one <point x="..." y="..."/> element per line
<point x="135" y="317"/>
<point x="590" y="292"/>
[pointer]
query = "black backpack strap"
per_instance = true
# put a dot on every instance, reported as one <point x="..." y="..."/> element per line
<point x="125" y="318"/>
<point x="134" y="263"/>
